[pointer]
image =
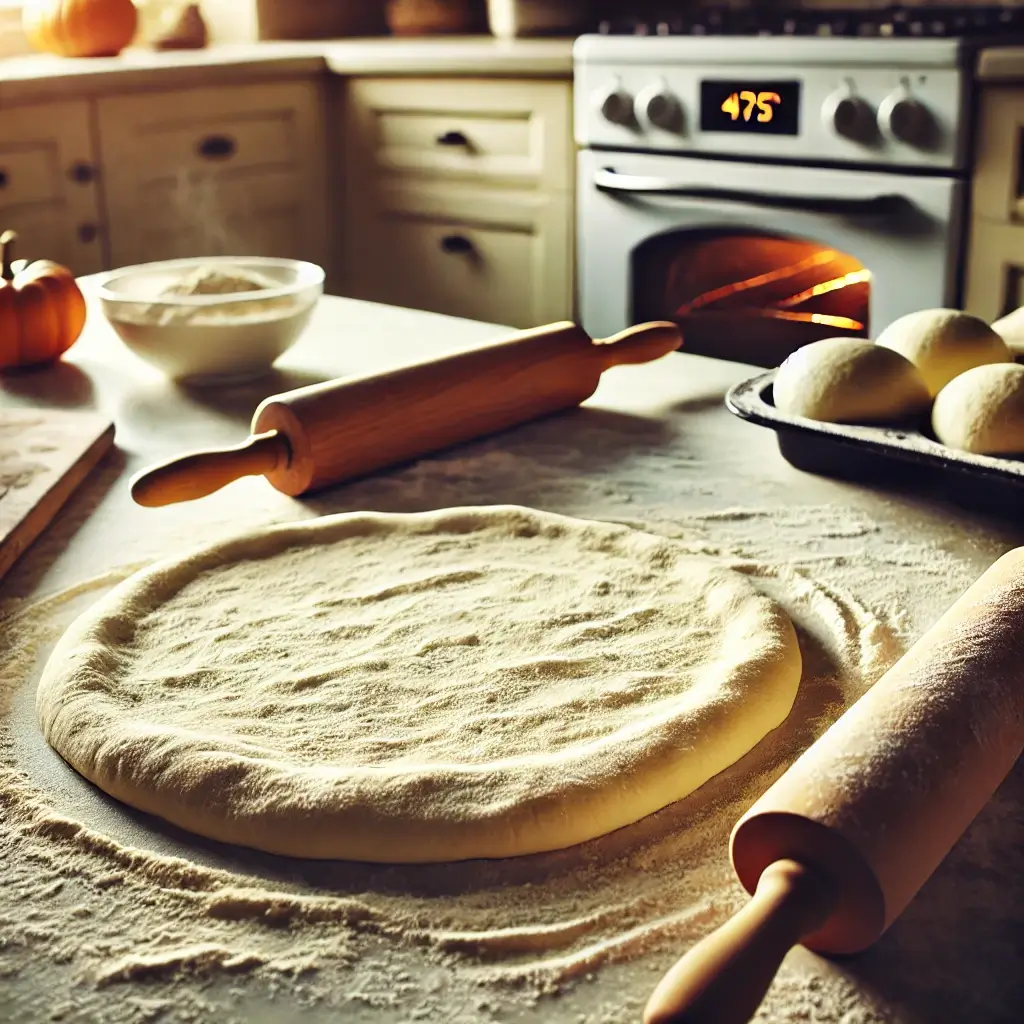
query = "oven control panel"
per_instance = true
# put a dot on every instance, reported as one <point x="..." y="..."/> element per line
<point x="829" y="104"/>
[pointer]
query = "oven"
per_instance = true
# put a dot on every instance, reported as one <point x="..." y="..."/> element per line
<point x="754" y="261"/>
<point x="766" y="193"/>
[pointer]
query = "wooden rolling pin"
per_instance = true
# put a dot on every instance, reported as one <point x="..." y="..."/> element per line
<point x="320" y="435"/>
<point x="837" y="847"/>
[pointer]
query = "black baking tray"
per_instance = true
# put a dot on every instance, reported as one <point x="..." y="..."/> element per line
<point x="904" y="455"/>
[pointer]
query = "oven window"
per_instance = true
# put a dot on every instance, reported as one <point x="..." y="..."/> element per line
<point x="749" y="297"/>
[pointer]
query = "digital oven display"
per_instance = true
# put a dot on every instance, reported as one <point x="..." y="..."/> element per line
<point x="761" y="108"/>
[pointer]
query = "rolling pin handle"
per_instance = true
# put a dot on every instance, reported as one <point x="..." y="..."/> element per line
<point x="724" y="978"/>
<point x="202" y="473"/>
<point x="640" y="344"/>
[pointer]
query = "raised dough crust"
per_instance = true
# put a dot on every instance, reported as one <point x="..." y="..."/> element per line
<point x="479" y="682"/>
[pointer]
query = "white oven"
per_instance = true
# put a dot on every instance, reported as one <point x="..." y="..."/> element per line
<point x="841" y="214"/>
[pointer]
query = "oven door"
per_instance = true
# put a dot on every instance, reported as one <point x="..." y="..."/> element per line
<point x="755" y="260"/>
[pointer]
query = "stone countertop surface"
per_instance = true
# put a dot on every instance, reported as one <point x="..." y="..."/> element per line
<point x="41" y="76"/>
<point x="655" y="445"/>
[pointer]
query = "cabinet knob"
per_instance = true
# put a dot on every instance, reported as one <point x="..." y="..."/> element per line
<point x="4" y="179"/>
<point x="82" y="173"/>
<point x="216" y="147"/>
<point x="452" y="139"/>
<point x="88" y="233"/>
<point x="456" y="245"/>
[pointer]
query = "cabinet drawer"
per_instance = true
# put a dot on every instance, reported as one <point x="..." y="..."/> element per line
<point x="29" y="173"/>
<point x="203" y="130"/>
<point x="486" y="256"/>
<point x="40" y="147"/>
<point x="493" y="131"/>
<point x="214" y="144"/>
<point x="44" y="232"/>
<point x="48" y="192"/>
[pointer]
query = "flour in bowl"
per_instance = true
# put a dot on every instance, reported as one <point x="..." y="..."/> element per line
<point x="211" y="280"/>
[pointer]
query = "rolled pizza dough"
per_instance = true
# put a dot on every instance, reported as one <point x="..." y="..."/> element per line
<point x="479" y="682"/>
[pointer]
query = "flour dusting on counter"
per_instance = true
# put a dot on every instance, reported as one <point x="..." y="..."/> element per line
<point x="134" y="908"/>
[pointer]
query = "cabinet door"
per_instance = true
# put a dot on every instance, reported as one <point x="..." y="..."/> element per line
<point x="238" y="171"/>
<point x="995" y="254"/>
<point x="498" y="257"/>
<point x="997" y="190"/>
<point x="48" y="192"/>
<point x="995" y="269"/>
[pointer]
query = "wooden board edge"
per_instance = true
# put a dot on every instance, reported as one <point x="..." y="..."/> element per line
<point x="55" y="498"/>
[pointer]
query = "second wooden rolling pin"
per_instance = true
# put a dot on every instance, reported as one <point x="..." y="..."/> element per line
<point x="323" y="434"/>
<point x="840" y="844"/>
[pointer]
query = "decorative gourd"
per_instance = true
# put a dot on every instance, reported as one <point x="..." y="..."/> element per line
<point x="80" y="28"/>
<point x="42" y="309"/>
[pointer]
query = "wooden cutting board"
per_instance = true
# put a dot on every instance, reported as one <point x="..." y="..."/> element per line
<point x="44" y="456"/>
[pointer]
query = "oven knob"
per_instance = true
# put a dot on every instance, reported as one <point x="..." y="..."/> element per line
<point x="616" y="105"/>
<point x="849" y="116"/>
<point x="658" y="105"/>
<point x="904" y="119"/>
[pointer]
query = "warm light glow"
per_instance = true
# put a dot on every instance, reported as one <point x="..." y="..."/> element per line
<point x="825" y="319"/>
<point x="856" y="277"/>
<point x="780" y="309"/>
<point x="758" y="281"/>
<point x="749" y="296"/>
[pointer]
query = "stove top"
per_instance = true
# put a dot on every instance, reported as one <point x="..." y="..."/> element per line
<point x="878" y="23"/>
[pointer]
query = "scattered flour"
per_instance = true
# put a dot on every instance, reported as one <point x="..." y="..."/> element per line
<point x="134" y="924"/>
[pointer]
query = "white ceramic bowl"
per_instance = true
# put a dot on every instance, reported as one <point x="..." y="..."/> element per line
<point x="211" y="338"/>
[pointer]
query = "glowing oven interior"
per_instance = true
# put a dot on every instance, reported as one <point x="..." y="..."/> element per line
<point x="750" y="297"/>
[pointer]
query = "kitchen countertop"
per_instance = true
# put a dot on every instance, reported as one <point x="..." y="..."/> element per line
<point x="41" y="76"/>
<point x="654" y="446"/>
<point x="1001" y="64"/>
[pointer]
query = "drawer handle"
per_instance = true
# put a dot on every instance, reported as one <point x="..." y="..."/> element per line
<point x="217" y="147"/>
<point x="456" y="245"/>
<point x="4" y="178"/>
<point x="88" y="233"/>
<point x="453" y="139"/>
<point x="82" y="173"/>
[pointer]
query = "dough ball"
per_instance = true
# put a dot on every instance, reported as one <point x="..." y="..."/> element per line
<point x="943" y="343"/>
<point x="849" y="380"/>
<point x="982" y="411"/>
<point x="1011" y="329"/>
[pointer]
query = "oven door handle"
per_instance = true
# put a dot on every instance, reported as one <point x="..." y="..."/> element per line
<point x="608" y="180"/>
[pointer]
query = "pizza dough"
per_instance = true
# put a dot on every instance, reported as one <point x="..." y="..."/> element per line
<point x="480" y="682"/>
<point x="849" y="380"/>
<point x="982" y="411"/>
<point x="943" y="343"/>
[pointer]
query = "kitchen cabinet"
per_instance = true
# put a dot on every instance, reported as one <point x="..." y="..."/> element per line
<point x="458" y="196"/>
<point x="995" y="260"/>
<point x="49" y="190"/>
<point x="239" y="170"/>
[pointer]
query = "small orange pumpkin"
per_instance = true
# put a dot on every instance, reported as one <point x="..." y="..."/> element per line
<point x="80" y="28"/>
<point x="42" y="309"/>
